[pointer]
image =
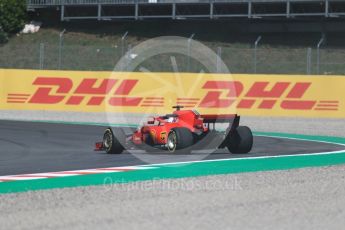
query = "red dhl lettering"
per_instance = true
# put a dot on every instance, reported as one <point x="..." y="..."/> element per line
<point x="218" y="94"/>
<point x="258" y="90"/>
<point x="54" y="90"/>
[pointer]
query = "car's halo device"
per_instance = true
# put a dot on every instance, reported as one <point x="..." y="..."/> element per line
<point x="179" y="131"/>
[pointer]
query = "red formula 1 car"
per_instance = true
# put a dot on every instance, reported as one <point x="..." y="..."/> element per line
<point x="180" y="130"/>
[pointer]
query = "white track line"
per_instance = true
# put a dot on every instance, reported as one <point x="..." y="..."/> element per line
<point x="34" y="176"/>
<point x="263" y="157"/>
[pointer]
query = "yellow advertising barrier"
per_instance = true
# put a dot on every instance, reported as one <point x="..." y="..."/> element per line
<point x="254" y="95"/>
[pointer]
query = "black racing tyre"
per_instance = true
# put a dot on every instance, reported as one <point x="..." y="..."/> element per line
<point x="179" y="138"/>
<point x="111" y="143"/>
<point x="241" y="140"/>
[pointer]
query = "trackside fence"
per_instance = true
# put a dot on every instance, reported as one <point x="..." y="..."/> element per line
<point x="103" y="57"/>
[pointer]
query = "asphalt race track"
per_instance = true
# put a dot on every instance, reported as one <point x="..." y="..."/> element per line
<point x="34" y="147"/>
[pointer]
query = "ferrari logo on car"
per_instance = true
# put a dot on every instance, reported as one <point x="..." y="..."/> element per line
<point x="163" y="135"/>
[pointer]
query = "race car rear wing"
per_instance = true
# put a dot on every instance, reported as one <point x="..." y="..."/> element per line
<point x="219" y="118"/>
<point x="232" y="119"/>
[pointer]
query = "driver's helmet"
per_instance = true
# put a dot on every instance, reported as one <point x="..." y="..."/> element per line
<point x="171" y="119"/>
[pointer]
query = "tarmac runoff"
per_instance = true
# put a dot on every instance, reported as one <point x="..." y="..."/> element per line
<point x="53" y="155"/>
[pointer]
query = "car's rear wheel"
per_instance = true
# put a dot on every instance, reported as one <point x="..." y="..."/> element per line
<point x="241" y="141"/>
<point x="111" y="143"/>
<point x="179" y="138"/>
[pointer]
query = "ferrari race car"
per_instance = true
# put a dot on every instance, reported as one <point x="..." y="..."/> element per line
<point x="183" y="129"/>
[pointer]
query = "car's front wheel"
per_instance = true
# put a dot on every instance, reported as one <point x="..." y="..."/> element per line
<point x="111" y="143"/>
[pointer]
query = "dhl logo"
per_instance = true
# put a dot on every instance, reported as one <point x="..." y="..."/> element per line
<point x="57" y="90"/>
<point x="288" y="95"/>
<point x="215" y="94"/>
